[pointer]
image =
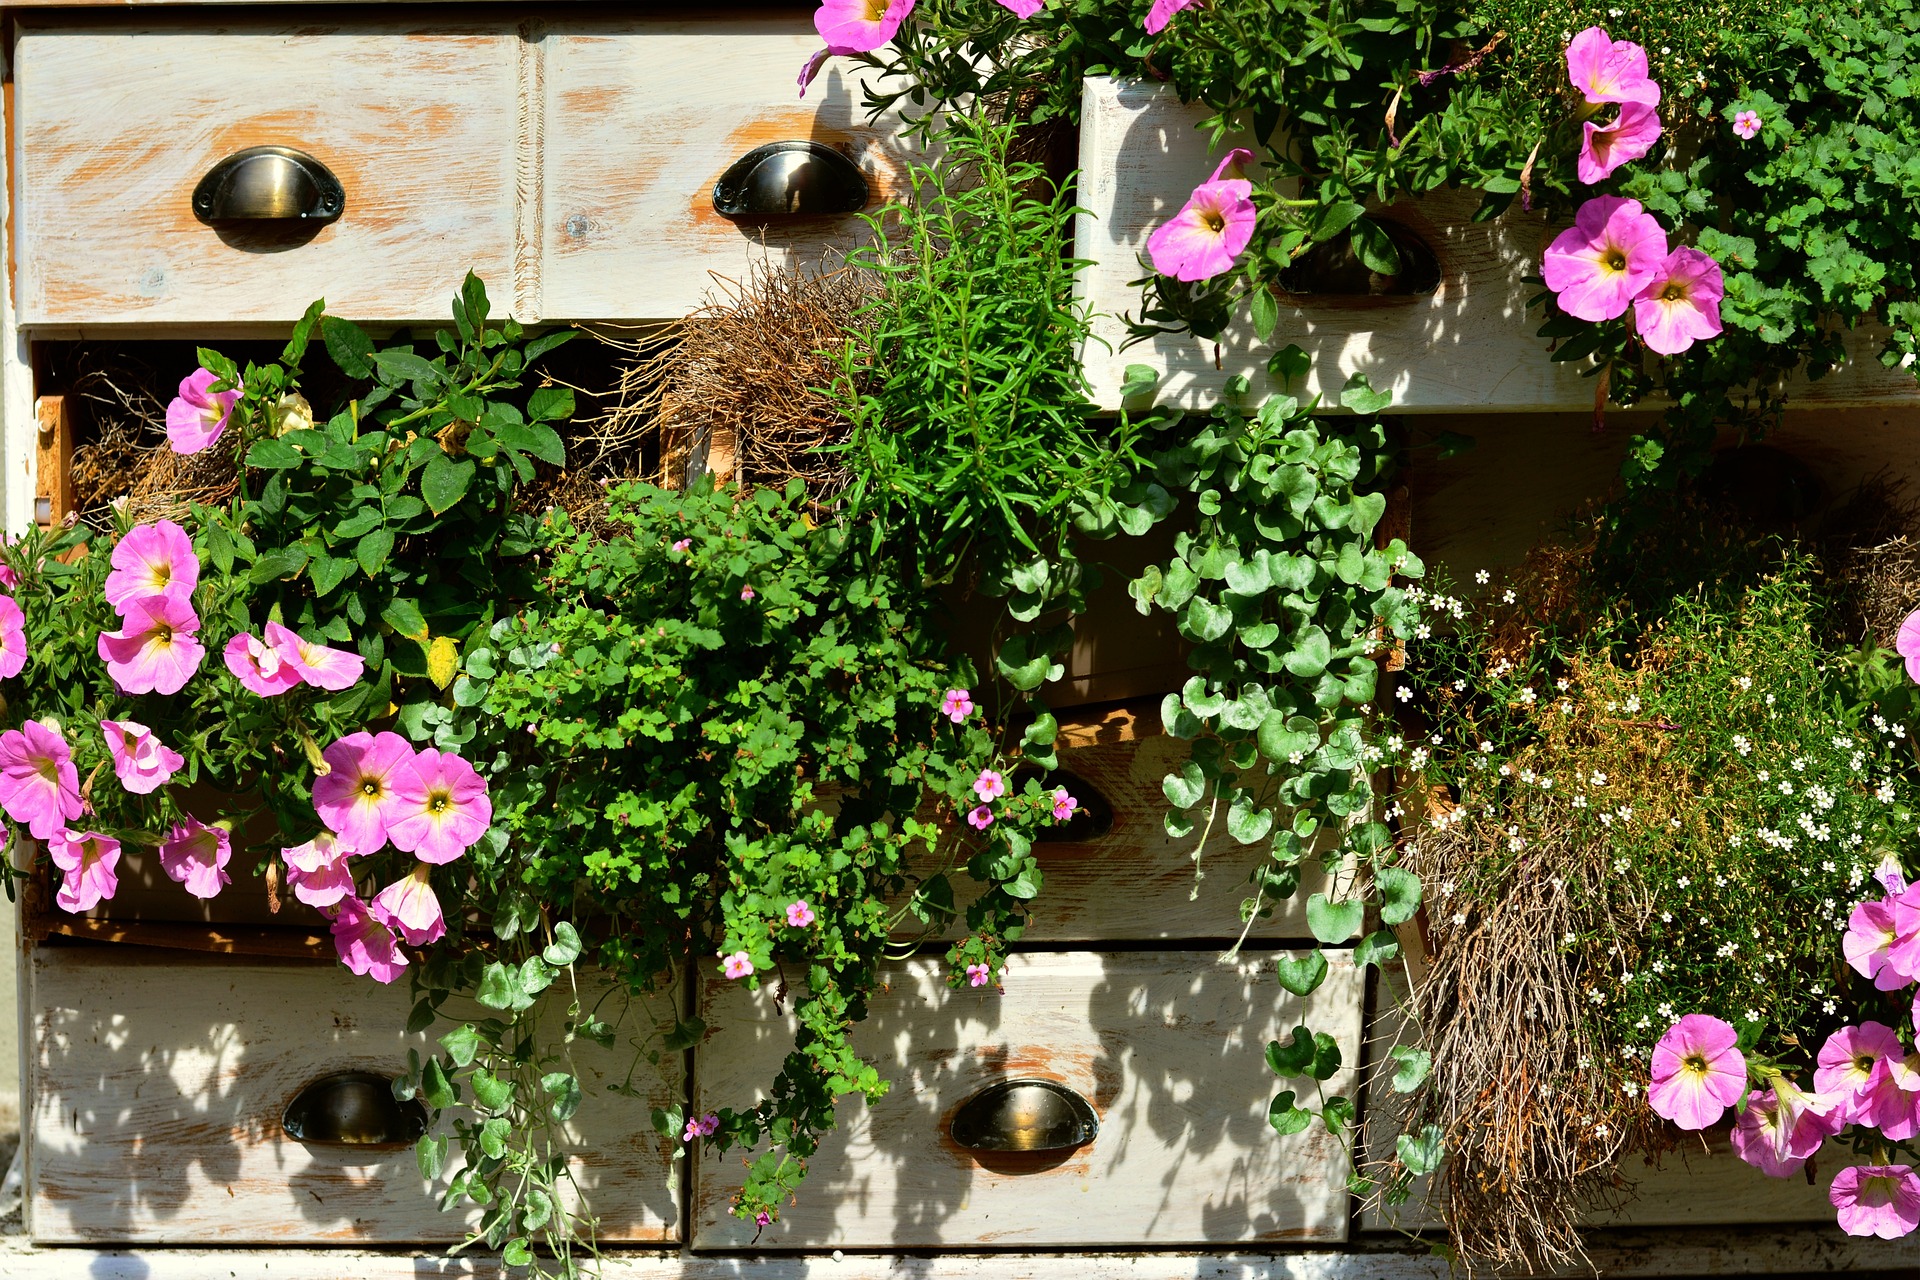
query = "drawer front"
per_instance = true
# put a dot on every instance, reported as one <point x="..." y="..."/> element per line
<point x="1167" y="1048"/>
<point x="158" y="1083"/>
<point x="117" y="123"/>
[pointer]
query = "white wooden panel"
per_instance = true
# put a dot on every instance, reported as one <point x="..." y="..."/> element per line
<point x="1471" y="344"/>
<point x="115" y="124"/>
<point x="1168" y="1048"/>
<point x="644" y="115"/>
<point x="157" y="1088"/>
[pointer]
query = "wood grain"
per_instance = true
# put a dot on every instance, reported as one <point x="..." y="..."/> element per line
<point x="156" y="1088"/>
<point x="1471" y="344"/>
<point x="1166" y="1046"/>
<point x="53" y="459"/>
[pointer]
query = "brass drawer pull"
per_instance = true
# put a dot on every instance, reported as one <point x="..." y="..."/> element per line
<point x="353" y="1109"/>
<point x="790" y="180"/>
<point x="1024" y="1115"/>
<point x="269" y="184"/>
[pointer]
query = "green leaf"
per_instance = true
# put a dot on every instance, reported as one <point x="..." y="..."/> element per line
<point x="435" y="1089"/>
<point x="1378" y="947"/>
<point x="490" y="1092"/>
<point x="499" y="987"/>
<point x="400" y="365"/>
<point x="431" y="1154"/>
<point x="273" y="455"/>
<point x="404" y="616"/>
<point x="1336" y="1113"/>
<point x="1246" y="823"/>
<point x="517" y="1253"/>
<point x="461" y="1044"/>
<point x="550" y="404"/>
<point x="1399" y="894"/>
<point x="1266" y="312"/>
<point x="1376" y="247"/>
<point x="1138" y="379"/>
<point x="444" y="482"/>
<point x="565" y="947"/>
<point x="1303" y="974"/>
<point x="1412" y="1065"/>
<point x="564" y="1089"/>
<point x="1295" y="1058"/>
<point x="1360" y="397"/>
<point x="328" y="573"/>
<point x="296" y="349"/>
<point x="284" y="563"/>
<point x="1184" y="789"/>
<point x="1282" y="737"/>
<point x="1286" y="1117"/>
<point x="1421" y="1155"/>
<point x="546" y="342"/>
<point x="1206" y="621"/>
<point x="1310" y="653"/>
<point x="1334" y="922"/>
<point x="349" y="346"/>
<point x="1289" y="364"/>
<point x="372" y="550"/>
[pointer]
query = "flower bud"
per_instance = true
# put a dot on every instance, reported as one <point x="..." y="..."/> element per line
<point x="291" y="412"/>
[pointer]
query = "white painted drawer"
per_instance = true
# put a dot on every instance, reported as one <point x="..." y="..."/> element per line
<point x="1168" y="1049"/>
<point x="157" y="1082"/>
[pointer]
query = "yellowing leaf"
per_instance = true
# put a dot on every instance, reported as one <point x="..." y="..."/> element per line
<point x="443" y="660"/>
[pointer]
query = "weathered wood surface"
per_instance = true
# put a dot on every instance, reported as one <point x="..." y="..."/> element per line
<point x="1167" y="1048"/>
<point x="569" y="160"/>
<point x="157" y="1085"/>
<point x="1471" y="344"/>
<point x="53" y="460"/>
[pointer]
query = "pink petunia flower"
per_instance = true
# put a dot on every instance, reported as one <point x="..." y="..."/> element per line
<point x="1698" y="1071"/>
<point x="259" y="666"/>
<point x="1870" y="933"/>
<point x="317" y="870"/>
<point x="155" y="650"/>
<point x="152" y="560"/>
<point x="1609" y="254"/>
<point x="1746" y="123"/>
<point x="799" y="914"/>
<point x="316" y="664"/>
<point x="1850" y="1067"/>
<point x="1023" y="9"/>
<point x="1903" y="953"/>
<point x="859" y="26"/>
<point x="1681" y="304"/>
<point x="196" y="855"/>
<point x="737" y="965"/>
<point x="978" y="975"/>
<point x="365" y="946"/>
<point x="1162" y="13"/>
<point x="198" y="415"/>
<point x="88" y="859"/>
<point x="989" y="785"/>
<point x="447" y="814"/>
<point x="1607" y="70"/>
<point x="1781" y="1128"/>
<point x="39" y="787"/>
<point x="1889" y="874"/>
<point x="13" y="638"/>
<point x="1064" y="805"/>
<point x="1876" y="1200"/>
<point x="980" y="817"/>
<point x="371" y="784"/>
<point x="1607" y="147"/>
<point x="410" y="907"/>
<point x="957" y="705"/>
<point x="141" y="763"/>
<point x="1211" y="229"/>
<point x="1907" y="644"/>
<point x="1894" y="1100"/>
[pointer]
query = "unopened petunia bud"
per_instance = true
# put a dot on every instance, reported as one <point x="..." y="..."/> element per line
<point x="291" y="412"/>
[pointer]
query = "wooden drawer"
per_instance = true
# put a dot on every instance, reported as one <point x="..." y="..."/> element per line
<point x="157" y="1083"/>
<point x="1168" y="1049"/>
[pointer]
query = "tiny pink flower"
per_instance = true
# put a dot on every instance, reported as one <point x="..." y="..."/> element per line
<point x="1607" y="70"/>
<point x="859" y="26"/>
<point x="1851" y="1069"/>
<point x="1064" y="805"/>
<point x="1907" y="644"/>
<point x="737" y="965"/>
<point x="799" y="914"/>
<point x="1607" y="147"/>
<point x="1681" y="304"/>
<point x="709" y="1125"/>
<point x="1876" y="1200"/>
<point x="980" y="817"/>
<point x="746" y="593"/>
<point x="446" y="814"/>
<point x="154" y="651"/>
<point x="1746" y="123"/>
<point x="1596" y="266"/>
<point x="989" y="785"/>
<point x="198" y="415"/>
<point x="978" y="975"/>
<point x="1698" y="1071"/>
<point x="141" y="763"/>
<point x="958" y="703"/>
<point x="365" y="946"/>
<point x="410" y="908"/>
<point x="318" y="871"/>
<point x="13" y="638"/>
<point x="683" y="544"/>
<point x="763" y="1219"/>
<point x="152" y="560"/>
<point x="1162" y="13"/>
<point x="1211" y="229"/>
<point x="1870" y="933"/>
<point x="196" y="855"/>
<point x="317" y="664"/>
<point x="259" y="666"/>
<point x="88" y="859"/>
<point x="371" y="783"/>
<point x="691" y="1132"/>
<point x="39" y="787"/>
<point x="1023" y="9"/>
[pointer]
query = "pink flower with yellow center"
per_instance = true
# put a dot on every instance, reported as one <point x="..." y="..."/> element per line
<point x="859" y="26"/>
<point x="13" y="638"/>
<point x="1852" y="1068"/>
<point x="88" y="860"/>
<point x="1607" y="147"/>
<point x="141" y="763"/>
<point x="737" y="965"/>
<point x="1211" y="229"/>
<point x="989" y="785"/>
<point x="316" y="664"/>
<point x="410" y="908"/>
<point x="371" y="783"/>
<point x="980" y="817"/>
<point x="1870" y="933"/>
<point x="1680" y="305"/>
<point x="799" y="914"/>
<point x="365" y="945"/>
<point x="39" y="787"/>
<point x="1907" y="644"/>
<point x="259" y="666"/>
<point x="1609" y="254"/>
<point x="979" y="975"/>
<point x="1698" y="1071"/>
<point x="152" y="560"/>
<point x="155" y="650"/>
<point x="1607" y="70"/>
<point x="196" y="855"/>
<point x="1778" y="1139"/>
<point x="1064" y="805"/>
<point x="1876" y="1200"/>
<point x="1162" y="13"/>
<point x="1746" y="123"/>
<point x="447" y="814"/>
<point x="1903" y="953"/>
<point x="318" y="871"/>
<point x="198" y="415"/>
<point x="957" y="705"/>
